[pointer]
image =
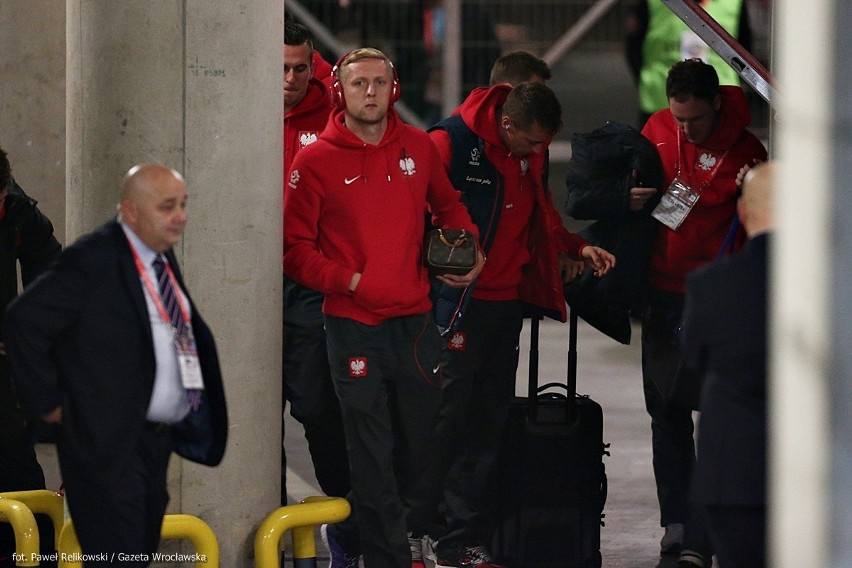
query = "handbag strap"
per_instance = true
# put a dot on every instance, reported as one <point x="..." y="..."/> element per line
<point x="728" y="244"/>
<point x="456" y="243"/>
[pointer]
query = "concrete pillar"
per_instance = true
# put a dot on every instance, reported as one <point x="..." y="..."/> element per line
<point x="197" y="85"/>
<point x="32" y="100"/>
<point x="811" y="391"/>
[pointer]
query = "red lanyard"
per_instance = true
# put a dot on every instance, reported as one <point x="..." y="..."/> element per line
<point x="155" y="293"/>
<point x="681" y="160"/>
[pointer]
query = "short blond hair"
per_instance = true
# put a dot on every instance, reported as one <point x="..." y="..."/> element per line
<point x="358" y="55"/>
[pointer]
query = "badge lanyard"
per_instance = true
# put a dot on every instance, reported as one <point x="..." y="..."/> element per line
<point x="681" y="161"/>
<point x="187" y="354"/>
<point x="681" y="197"/>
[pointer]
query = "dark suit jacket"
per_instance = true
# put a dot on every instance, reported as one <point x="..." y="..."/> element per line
<point x="80" y="337"/>
<point x="724" y="339"/>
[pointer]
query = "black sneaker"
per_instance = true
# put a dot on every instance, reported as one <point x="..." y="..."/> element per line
<point x="340" y="557"/>
<point x="469" y="557"/>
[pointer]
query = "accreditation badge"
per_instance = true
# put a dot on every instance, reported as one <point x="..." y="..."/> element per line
<point x="188" y="363"/>
<point x="675" y="205"/>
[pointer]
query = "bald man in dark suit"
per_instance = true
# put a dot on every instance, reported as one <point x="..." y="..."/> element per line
<point x="128" y="370"/>
<point x="725" y="340"/>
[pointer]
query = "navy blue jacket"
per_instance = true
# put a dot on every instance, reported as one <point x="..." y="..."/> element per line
<point x="724" y="336"/>
<point x="482" y="193"/>
<point x="80" y="337"/>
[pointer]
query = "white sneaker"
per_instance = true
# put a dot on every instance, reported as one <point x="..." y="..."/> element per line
<point x="415" y="544"/>
<point x="672" y="541"/>
<point x="429" y="554"/>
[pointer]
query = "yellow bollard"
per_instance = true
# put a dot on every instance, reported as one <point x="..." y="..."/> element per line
<point x="174" y="527"/>
<point x="302" y="518"/>
<point x="198" y="533"/>
<point x="26" y="531"/>
<point x="42" y="501"/>
<point x="69" y="547"/>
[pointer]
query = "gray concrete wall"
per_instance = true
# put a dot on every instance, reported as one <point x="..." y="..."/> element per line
<point x="32" y="100"/>
<point x="125" y="99"/>
<point x="197" y="85"/>
<point x="810" y="395"/>
<point x="232" y="250"/>
<point x="838" y="244"/>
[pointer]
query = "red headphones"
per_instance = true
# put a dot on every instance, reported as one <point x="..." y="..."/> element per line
<point x="336" y="90"/>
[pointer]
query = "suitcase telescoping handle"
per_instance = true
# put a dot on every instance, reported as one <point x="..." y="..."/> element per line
<point x="534" y="390"/>
<point x="572" y="356"/>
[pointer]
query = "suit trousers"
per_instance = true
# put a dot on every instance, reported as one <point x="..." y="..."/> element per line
<point x="386" y="377"/>
<point x="125" y="516"/>
<point x="738" y="535"/>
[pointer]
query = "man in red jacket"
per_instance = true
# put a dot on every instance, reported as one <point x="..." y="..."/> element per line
<point x="307" y="382"/>
<point x="495" y="150"/>
<point x="703" y="143"/>
<point x="306" y="99"/>
<point x="354" y="232"/>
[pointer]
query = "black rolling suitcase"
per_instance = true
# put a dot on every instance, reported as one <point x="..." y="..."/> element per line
<point x="552" y="482"/>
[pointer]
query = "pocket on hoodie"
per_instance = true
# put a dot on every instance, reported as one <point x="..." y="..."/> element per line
<point x="371" y="293"/>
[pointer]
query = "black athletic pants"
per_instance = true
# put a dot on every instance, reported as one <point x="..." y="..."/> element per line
<point x="480" y="363"/>
<point x="19" y="468"/>
<point x="389" y="385"/>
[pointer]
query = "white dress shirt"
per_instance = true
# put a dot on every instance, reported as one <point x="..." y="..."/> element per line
<point x="168" y="400"/>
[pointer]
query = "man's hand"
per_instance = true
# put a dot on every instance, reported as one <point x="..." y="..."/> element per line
<point x="744" y="170"/>
<point x="54" y="416"/>
<point x="639" y="196"/>
<point x="599" y="259"/>
<point x="461" y="281"/>
<point x="353" y="283"/>
<point x="570" y="268"/>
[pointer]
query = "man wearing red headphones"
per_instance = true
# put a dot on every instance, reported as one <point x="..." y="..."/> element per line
<point x="355" y="206"/>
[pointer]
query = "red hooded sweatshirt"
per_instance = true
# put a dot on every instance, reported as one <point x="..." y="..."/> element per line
<point x="322" y="69"/>
<point x="354" y="207"/>
<point x="522" y="262"/>
<point x="305" y="121"/>
<point x="711" y="169"/>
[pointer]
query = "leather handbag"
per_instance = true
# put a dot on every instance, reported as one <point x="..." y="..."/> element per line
<point x="449" y="251"/>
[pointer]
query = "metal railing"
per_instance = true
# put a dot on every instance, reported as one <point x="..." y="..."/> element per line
<point x="471" y="33"/>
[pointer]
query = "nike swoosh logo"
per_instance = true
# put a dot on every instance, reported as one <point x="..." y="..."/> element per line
<point x="348" y="181"/>
<point x="436" y="369"/>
